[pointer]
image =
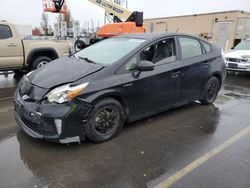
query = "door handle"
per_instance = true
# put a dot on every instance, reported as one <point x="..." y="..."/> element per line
<point x="175" y="74"/>
<point x="128" y="85"/>
<point x="12" y="45"/>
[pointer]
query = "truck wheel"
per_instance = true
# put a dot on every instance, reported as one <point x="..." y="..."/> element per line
<point x="40" y="61"/>
<point x="79" y="45"/>
<point x="211" y="91"/>
<point x="105" y="121"/>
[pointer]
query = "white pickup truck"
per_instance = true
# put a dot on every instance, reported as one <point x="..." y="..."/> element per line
<point x="21" y="55"/>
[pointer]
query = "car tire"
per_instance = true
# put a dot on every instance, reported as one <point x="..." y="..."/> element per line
<point x="105" y="120"/>
<point x="40" y="61"/>
<point x="79" y="45"/>
<point x="211" y="91"/>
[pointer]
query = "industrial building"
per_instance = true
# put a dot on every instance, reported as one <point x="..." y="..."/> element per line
<point x="226" y="29"/>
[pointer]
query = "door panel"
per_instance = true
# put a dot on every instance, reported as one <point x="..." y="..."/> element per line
<point x="11" y="51"/>
<point x="153" y="91"/>
<point x="194" y="68"/>
<point x="194" y="75"/>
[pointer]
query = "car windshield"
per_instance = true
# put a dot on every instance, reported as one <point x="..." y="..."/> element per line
<point x="244" y="45"/>
<point x="109" y="51"/>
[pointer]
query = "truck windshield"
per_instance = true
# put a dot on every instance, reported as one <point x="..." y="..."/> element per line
<point x="244" y="45"/>
<point x="110" y="50"/>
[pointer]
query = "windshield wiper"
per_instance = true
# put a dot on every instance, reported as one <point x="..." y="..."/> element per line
<point x="86" y="59"/>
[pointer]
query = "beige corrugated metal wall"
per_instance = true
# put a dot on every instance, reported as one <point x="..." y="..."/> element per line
<point x="220" y="28"/>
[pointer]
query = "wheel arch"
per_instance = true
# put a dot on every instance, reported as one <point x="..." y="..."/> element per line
<point x="218" y="75"/>
<point x="110" y="94"/>
<point x="35" y="53"/>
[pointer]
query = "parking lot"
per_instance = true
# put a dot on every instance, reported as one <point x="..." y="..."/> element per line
<point x="192" y="146"/>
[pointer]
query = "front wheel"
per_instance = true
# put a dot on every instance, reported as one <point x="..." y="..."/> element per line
<point x="211" y="91"/>
<point x="40" y="61"/>
<point x="105" y="121"/>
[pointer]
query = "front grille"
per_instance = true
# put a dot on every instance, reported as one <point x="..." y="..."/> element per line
<point x="234" y="60"/>
<point x="46" y="127"/>
<point x="33" y="126"/>
<point x="41" y="125"/>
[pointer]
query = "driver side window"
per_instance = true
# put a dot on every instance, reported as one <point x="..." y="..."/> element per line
<point x="160" y="52"/>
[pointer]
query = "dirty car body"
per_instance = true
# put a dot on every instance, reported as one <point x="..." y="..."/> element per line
<point x="144" y="74"/>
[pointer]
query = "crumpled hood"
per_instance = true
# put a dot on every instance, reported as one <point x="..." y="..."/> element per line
<point x="61" y="71"/>
<point x="237" y="53"/>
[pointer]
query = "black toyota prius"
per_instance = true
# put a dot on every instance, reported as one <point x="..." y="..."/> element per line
<point x="93" y="92"/>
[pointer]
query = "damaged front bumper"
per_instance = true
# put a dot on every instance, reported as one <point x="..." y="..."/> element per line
<point x="61" y="123"/>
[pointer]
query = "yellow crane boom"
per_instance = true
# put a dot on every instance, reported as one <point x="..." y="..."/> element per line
<point x="113" y="9"/>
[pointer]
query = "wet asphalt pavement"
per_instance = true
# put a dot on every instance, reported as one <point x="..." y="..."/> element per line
<point x="144" y="154"/>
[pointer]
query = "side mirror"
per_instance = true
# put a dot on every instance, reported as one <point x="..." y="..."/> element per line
<point x="145" y="66"/>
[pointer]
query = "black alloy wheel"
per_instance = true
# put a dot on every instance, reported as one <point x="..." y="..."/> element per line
<point x="211" y="91"/>
<point x="105" y="121"/>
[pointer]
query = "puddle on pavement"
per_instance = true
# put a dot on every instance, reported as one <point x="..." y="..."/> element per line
<point x="222" y="99"/>
<point x="27" y="162"/>
<point x="238" y="95"/>
<point x="188" y="131"/>
<point x="14" y="172"/>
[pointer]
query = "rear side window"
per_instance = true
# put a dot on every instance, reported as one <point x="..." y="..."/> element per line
<point x="190" y="47"/>
<point x="5" y="32"/>
<point x="206" y="46"/>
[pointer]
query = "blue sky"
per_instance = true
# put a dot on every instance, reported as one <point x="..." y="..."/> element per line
<point x="29" y="11"/>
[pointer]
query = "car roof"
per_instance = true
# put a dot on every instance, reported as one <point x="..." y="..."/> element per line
<point x="3" y="22"/>
<point x="151" y="36"/>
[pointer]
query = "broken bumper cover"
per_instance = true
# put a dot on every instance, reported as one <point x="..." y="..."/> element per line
<point x="38" y="120"/>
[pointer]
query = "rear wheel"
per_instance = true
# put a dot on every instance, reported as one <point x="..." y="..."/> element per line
<point x="211" y="91"/>
<point x="105" y="121"/>
<point x="40" y="61"/>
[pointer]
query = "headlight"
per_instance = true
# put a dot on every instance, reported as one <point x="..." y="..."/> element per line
<point x="65" y="93"/>
<point x="246" y="58"/>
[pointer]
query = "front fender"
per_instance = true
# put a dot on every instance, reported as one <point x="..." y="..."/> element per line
<point x="93" y="98"/>
<point x="108" y="93"/>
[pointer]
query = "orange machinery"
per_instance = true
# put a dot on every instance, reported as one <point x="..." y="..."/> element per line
<point x="55" y="6"/>
<point x="124" y="21"/>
